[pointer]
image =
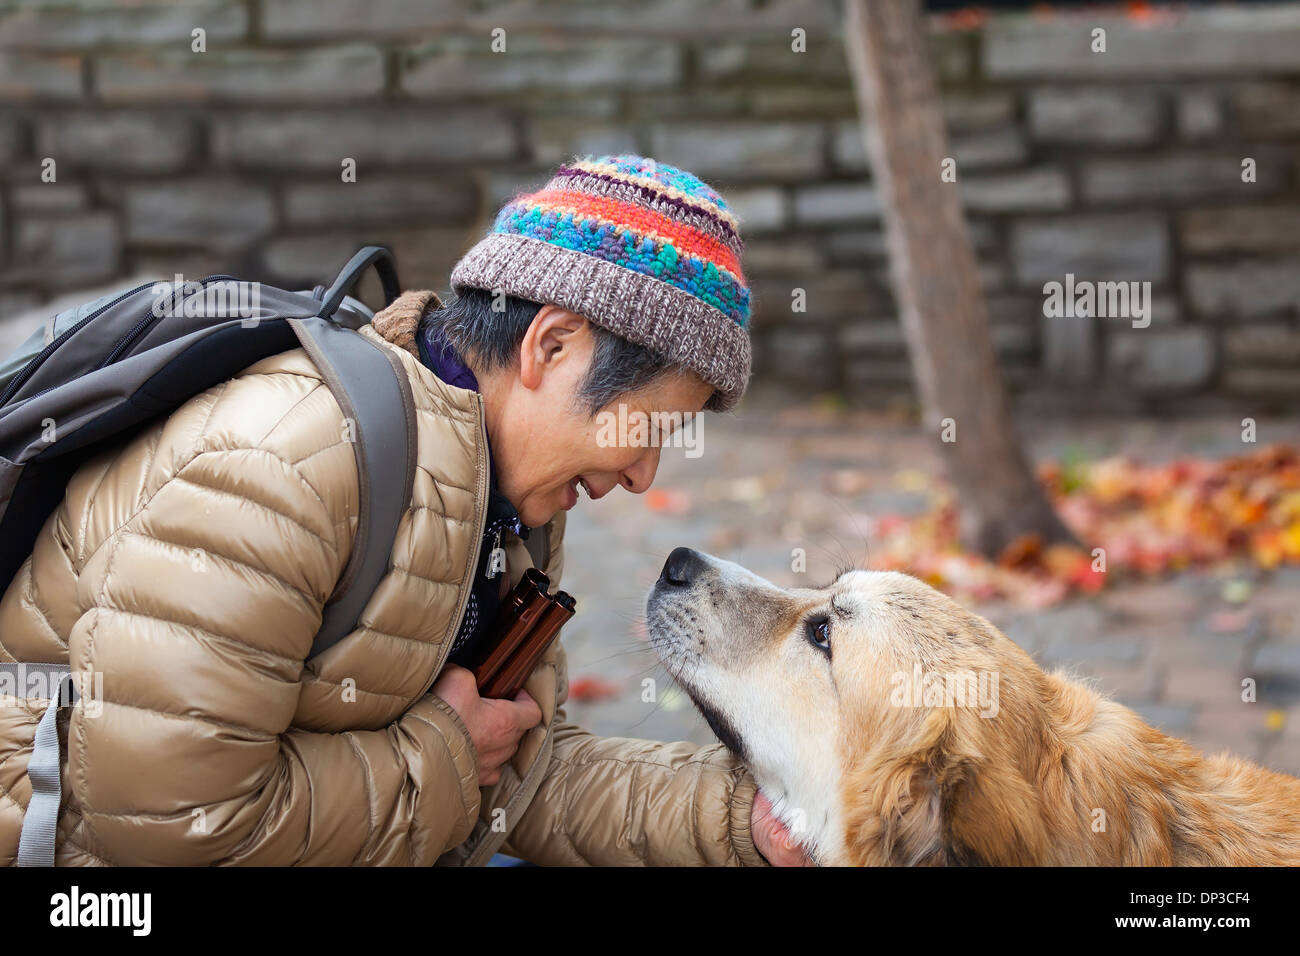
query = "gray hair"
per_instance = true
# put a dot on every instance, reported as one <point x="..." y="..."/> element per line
<point x="491" y="336"/>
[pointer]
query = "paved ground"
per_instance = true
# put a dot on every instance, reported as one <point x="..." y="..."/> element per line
<point x="778" y="476"/>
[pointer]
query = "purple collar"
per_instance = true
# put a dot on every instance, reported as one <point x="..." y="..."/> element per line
<point x="441" y="359"/>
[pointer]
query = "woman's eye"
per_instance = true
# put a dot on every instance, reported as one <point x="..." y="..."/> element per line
<point x="819" y="634"/>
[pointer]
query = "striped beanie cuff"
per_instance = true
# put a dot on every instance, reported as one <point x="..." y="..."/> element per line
<point x="640" y="248"/>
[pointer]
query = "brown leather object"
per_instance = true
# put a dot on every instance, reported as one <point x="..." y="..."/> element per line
<point x="529" y="621"/>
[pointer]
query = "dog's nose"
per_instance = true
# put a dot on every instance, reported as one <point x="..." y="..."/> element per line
<point x="682" y="567"/>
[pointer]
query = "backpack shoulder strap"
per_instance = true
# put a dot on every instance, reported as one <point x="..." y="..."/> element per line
<point x="36" y="841"/>
<point x="372" y="389"/>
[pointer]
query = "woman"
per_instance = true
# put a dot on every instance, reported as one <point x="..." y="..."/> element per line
<point x="190" y="567"/>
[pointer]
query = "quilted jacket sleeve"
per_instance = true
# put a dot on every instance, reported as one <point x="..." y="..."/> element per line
<point x="613" y="801"/>
<point x="201" y="596"/>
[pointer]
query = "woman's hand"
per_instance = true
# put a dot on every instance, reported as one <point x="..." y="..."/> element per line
<point x="772" y="838"/>
<point x="495" y="726"/>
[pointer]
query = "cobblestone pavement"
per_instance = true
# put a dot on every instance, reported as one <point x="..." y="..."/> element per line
<point x="773" y="478"/>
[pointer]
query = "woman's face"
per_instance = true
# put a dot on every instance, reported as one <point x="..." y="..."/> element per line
<point x="548" y="448"/>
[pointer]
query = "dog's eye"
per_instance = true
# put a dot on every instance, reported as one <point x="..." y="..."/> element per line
<point x="819" y="634"/>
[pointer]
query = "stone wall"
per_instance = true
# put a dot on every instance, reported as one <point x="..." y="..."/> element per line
<point x="1122" y="165"/>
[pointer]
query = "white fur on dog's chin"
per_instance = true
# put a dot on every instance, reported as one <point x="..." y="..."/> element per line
<point x="800" y="779"/>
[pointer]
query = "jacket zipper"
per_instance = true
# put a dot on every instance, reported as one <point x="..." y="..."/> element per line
<point x="544" y="755"/>
<point x="467" y="586"/>
<point x="527" y="784"/>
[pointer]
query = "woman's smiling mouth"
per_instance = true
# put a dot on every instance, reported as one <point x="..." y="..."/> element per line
<point x="571" y="491"/>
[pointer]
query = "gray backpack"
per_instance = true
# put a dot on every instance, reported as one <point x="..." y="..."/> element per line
<point x="97" y="374"/>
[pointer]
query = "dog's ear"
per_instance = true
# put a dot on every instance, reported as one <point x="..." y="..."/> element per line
<point x="895" y="802"/>
<point x="944" y="800"/>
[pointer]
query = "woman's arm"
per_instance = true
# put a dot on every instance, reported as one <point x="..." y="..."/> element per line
<point x="620" y="802"/>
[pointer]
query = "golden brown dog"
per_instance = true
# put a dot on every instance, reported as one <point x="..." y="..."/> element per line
<point x="889" y="725"/>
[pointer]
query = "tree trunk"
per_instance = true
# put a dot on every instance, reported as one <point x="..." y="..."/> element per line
<point x="936" y="282"/>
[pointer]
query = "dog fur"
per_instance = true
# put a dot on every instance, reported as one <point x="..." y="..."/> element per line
<point x="1057" y="775"/>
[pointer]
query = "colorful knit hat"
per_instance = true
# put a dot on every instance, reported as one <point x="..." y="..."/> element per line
<point x="641" y="248"/>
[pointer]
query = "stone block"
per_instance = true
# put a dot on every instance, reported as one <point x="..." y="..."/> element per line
<point x="308" y="140"/>
<point x="1131" y="246"/>
<point x="79" y="26"/>
<point x="217" y="213"/>
<point x="833" y="204"/>
<point x="1168" y="178"/>
<point x="1215" y="41"/>
<point x="741" y="150"/>
<point x="1245" y="289"/>
<point x="63" y="252"/>
<point x="1162" y="360"/>
<point x="450" y="197"/>
<point x="241" y="75"/>
<point x="1095" y="116"/>
<point x="1240" y="229"/>
<point x="1042" y="189"/>
<point x="26" y="77"/>
<point x="457" y="67"/>
<point x="124" y="140"/>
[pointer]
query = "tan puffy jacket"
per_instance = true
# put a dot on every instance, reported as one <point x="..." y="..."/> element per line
<point x="189" y="568"/>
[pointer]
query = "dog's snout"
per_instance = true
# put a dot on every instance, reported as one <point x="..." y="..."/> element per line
<point x="682" y="567"/>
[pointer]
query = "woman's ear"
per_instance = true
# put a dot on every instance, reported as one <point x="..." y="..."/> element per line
<point x="552" y="339"/>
